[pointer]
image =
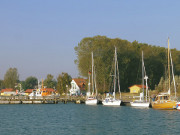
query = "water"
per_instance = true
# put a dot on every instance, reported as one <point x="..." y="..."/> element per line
<point x="80" y="119"/>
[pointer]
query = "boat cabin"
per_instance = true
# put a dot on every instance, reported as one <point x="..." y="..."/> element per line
<point x="162" y="97"/>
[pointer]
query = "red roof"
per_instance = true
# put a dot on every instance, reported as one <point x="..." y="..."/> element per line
<point x="6" y="90"/>
<point x="140" y="86"/>
<point x="80" y="82"/>
<point x="29" y="90"/>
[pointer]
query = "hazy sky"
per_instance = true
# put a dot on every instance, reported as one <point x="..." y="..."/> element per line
<point x="38" y="36"/>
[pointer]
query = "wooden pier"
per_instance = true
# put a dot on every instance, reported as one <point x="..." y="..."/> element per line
<point x="39" y="100"/>
<point x="53" y="100"/>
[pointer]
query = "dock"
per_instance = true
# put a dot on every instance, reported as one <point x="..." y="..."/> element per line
<point x="39" y="100"/>
<point x="125" y="101"/>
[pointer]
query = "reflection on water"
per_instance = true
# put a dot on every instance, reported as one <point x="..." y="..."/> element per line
<point x="80" y="119"/>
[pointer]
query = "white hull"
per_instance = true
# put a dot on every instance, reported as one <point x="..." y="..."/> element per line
<point x="111" y="102"/>
<point x="139" y="104"/>
<point x="91" y="102"/>
<point x="178" y="106"/>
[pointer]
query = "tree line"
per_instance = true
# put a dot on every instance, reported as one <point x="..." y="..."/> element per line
<point x="11" y="80"/>
<point x="129" y="61"/>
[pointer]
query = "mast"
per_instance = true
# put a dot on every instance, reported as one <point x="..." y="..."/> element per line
<point x="143" y="75"/>
<point x="169" y="68"/>
<point x="89" y="83"/>
<point x="115" y="74"/>
<point x="42" y="87"/>
<point x="173" y="74"/>
<point x="95" y="81"/>
<point x="145" y="78"/>
<point x="92" y="74"/>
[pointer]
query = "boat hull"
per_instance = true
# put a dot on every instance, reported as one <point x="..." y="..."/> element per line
<point x="164" y="104"/>
<point x="142" y="104"/>
<point x="178" y="106"/>
<point x="91" y="102"/>
<point x="112" y="103"/>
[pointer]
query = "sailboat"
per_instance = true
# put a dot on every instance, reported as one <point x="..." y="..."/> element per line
<point x="164" y="100"/>
<point x="91" y="99"/>
<point x="112" y="101"/>
<point x="141" y="102"/>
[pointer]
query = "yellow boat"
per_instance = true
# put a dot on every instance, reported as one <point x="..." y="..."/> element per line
<point x="164" y="100"/>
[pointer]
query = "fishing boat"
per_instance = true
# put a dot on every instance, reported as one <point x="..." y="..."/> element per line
<point x="165" y="100"/>
<point x="141" y="102"/>
<point x="39" y="92"/>
<point x="112" y="101"/>
<point x="91" y="98"/>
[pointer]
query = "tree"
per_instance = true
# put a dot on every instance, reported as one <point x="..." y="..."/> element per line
<point x="50" y="82"/>
<point x="11" y="78"/>
<point x="1" y="84"/>
<point x="23" y="85"/>
<point x="129" y="61"/>
<point x="63" y="80"/>
<point x="31" y="82"/>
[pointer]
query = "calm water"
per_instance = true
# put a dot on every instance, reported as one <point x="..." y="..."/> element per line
<point x="80" y="119"/>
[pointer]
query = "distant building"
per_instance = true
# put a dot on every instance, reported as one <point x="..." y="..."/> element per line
<point x="136" y="88"/>
<point x="8" y="92"/>
<point x="78" y="86"/>
<point x="28" y="91"/>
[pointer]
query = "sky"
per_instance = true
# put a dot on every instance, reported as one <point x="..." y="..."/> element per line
<point x="38" y="36"/>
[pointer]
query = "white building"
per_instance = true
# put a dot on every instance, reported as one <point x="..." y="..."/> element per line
<point x="77" y="86"/>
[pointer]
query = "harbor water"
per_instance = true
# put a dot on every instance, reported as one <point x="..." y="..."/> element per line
<point x="80" y="119"/>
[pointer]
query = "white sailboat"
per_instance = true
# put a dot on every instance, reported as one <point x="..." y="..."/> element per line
<point x="141" y="102"/>
<point x="91" y="98"/>
<point x="112" y="101"/>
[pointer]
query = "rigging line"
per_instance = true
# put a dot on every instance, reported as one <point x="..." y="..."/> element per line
<point x="95" y="81"/>
<point x="143" y="75"/>
<point x="119" y="81"/>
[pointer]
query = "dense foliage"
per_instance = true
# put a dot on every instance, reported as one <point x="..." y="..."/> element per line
<point x="50" y="82"/>
<point x="30" y="83"/>
<point x="129" y="59"/>
<point x="163" y="84"/>
<point x="11" y="78"/>
<point x="63" y="82"/>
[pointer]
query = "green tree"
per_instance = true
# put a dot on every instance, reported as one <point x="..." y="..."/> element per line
<point x="31" y="82"/>
<point x="129" y="60"/>
<point x="63" y="80"/>
<point x="50" y="82"/>
<point x="23" y="85"/>
<point x="11" y="78"/>
<point x="1" y="84"/>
